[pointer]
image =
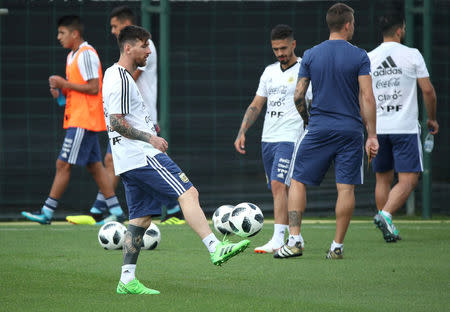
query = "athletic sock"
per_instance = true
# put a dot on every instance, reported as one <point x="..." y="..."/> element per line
<point x="387" y="214"/>
<point x="210" y="242"/>
<point x="113" y="206"/>
<point x="49" y="207"/>
<point x="99" y="205"/>
<point x="128" y="273"/>
<point x="278" y="234"/>
<point x="335" y="245"/>
<point x="293" y="239"/>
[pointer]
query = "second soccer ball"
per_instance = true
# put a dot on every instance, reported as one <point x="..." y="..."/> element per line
<point x="246" y="220"/>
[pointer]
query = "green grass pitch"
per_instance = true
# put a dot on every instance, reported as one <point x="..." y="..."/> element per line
<point x="63" y="268"/>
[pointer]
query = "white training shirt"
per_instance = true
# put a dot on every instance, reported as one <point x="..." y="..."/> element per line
<point x="88" y="62"/>
<point x="395" y="69"/>
<point x="148" y="82"/>
<point x="121" y="96"/>
<point x="282" y="122"/>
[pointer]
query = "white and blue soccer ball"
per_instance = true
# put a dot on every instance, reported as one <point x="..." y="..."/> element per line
<point x="111" y="235"/>
<point x="220" y="219"/>
<point x="152" y="237"/>
<point x="246" y="220"/>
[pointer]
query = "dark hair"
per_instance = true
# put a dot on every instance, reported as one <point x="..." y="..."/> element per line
<point x="132" y="34"/>
<point x="338" y="15"/>
<point x="73" y="22"/>
<point x="389" y="23"/>
<point x="123" y="13"/>
<point x="281" y="32"/>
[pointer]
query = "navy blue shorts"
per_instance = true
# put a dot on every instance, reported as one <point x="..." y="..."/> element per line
<point x="108" y="149"/>
<point x="319" y="148"/>
<point x="277" y="158"/>
<point x="80" y="147"/>
<point x="401" y="152"/>
<point x="147" y="188"/>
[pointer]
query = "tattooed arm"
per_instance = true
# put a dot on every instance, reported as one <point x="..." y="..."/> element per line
<point x="121" y="126"/>
<point x="250" y="116"/>
<point x="300" y="99"/>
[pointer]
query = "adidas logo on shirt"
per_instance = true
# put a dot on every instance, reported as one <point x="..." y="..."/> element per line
<point x="387" y="67"/>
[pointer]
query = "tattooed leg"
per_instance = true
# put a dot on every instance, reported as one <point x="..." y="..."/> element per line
<point x="296" y="206"/>
<point x="132" y="244"/>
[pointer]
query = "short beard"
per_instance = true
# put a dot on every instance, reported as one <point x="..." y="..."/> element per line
<point x="142" y="64"/>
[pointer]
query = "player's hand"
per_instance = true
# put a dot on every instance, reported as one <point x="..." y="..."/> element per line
<point x="372" y="147"/>
<point x="56" y="82"/>
<point x="159" y="143"/>
<point x="157" y="128"/>
<point x="433" y="126"/>
<point x="239" y="144"/>
<point x="54" y="92"/>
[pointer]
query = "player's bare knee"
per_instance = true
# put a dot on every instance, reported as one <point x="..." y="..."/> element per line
<point x="192" y="192"/>
<point x="62" y="166"/>
<point x="94" y="167"/>
<point x="108" y="159"/>
<point x="190" y="195"/>
<point x="278" y="188"/>
<point x="409" y="180"/>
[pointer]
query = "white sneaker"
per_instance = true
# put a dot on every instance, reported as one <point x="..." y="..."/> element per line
<point x="267" y="248"/>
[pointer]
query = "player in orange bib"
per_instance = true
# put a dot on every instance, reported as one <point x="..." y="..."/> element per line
<point x="83" y="118"/>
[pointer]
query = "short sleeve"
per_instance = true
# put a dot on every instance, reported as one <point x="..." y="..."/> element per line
<point x="421" y="67"/>
<point x="304" y="66"/>
<point x="117" y="92"/>
<point x="364" y="68"/>
<point x="88" y="63"/>
<point x="262" y="88"/>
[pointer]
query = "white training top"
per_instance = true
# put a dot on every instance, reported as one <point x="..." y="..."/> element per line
<point x="282" y="122"/>
<point x="148" y="82"/>
<point x="121" y="96"/>
<point x="395" y="69"/>
<point x="88" y="62"/>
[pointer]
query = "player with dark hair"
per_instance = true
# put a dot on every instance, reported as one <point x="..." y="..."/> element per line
<point x="282" y="126"/>
<point x="147" y="81"/>
<point x="83" y="118"/>
<point x="148" y="174"/>
<point x="339" y="73"/>
<point x="396" y="71"/>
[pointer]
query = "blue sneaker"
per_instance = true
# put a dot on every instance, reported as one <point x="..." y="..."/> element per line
<point x="44" y="217"/>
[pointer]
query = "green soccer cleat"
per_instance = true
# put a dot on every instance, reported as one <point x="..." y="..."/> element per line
<point x="225" y="250"/>
<point x="173" y="221"/>
<point x="135" y="288"/>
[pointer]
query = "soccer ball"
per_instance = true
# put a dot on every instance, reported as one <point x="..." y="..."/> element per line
<point x="152" y="237"/>
<point x="111" y="235"/>
<point x="220" y="219"/>
<point x="246" y="219"/>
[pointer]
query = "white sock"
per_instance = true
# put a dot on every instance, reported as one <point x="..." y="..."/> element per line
<point x="210" y="242"/>
<point x="387" y="214"/>
<point x="128" y="273"/>
<point x="335" y="245"/>
<point x="293" y="239"/>
<point x="278" y="234"/>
